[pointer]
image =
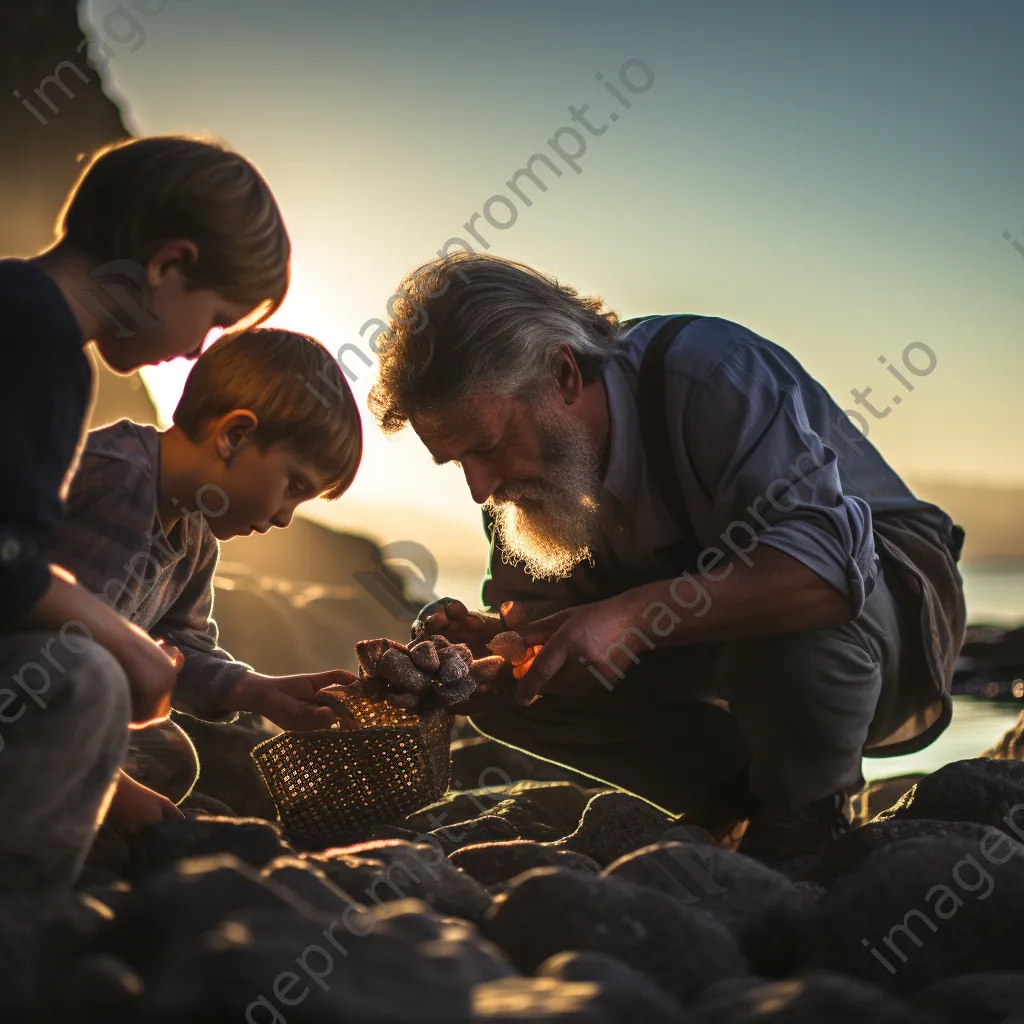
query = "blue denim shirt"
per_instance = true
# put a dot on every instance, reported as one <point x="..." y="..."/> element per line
<point x="764" y="455"/>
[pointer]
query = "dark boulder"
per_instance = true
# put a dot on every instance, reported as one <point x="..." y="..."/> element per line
<point x="848" y="852"/>
<point x="488" y="828"/>
<point x="814" y="998"/>
<point x="512" y="1000"/>
<point x="988" y="997"/>
<point x="378" y="872"/>
<point x="627" y="996"/>
<point x="307" y="881"/>
<point x="252" y="840"/>
<point x="614" y="824"/>
<point x="97" y="989"/>
<point x="982" y="789"/>
<point x="921" y="910"/>
<point x="455" y="806"/>
<point x="550" y="910"/>
<point x="493" y="863"/>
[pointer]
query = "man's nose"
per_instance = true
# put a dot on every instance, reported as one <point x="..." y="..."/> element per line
<point x="482" y="481"/>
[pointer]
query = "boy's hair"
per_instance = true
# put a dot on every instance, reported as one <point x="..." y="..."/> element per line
<point x="134" y="196"/>
<point x="296" y="390"/>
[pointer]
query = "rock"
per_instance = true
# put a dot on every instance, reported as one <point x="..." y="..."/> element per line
<point x="988" y="997"/>
<point x="183" y="902"/>
<point x="199" y="805"/>
<point x="848" y="852"/>
<point x="262" y="967"/>
<point x="549" y="910"/>
<point x="614" y="824"/>
<point x="761" y="907"/>
<point x="525" y="817"/>
<point x="493" y="863"/>
<point x="455" y="806"/>
<point x="813" y="998"/>
<point x="97" y="989"/>
<point x="921" y="910"/>
<point x="559" y="805"/>
<point x="486" y="829"/>
<point x="627" y="996"/>
<point x="880" y="795"/>
<point x="307" y="881"/>
<point x="108" y="860"/>
<point x="393" y="870"/>
<point x="539" y="999"/>
<point x="981" y="789"/>
<point x="252" y="840"/>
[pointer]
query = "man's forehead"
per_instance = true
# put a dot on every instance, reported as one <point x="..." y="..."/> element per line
<point x="447" y="435"/>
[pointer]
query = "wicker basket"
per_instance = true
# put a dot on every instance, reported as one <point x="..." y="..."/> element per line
<point x="331" y="787"/>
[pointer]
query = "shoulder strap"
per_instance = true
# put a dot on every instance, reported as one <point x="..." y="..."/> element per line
<point x="654" y="419"/>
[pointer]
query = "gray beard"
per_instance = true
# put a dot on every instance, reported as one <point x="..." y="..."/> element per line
<point x="554" y="532"/>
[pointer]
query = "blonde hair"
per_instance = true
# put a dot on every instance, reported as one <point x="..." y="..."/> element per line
<point x="296" y="389"/>
<point x="134" y="196"/>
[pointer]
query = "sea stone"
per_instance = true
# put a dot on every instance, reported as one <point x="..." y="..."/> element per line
<point x="813" y="998"/>
<point x="401" y="964"/>
<point x="96" y="989"/>
<point x="486" y="829"/>
<point x="880" y="795"/>
<point x="163" y="843"/>
<point x="848" y="852"/>
<point x="539" y="999"/>
<point x="493" y="863"/>
<point x="309" y="882"/>
<point x="981" y="789"/>
<point x="921" y="910"/>
<point x="627" y="995"/>
<point x="988" y="997"/>
<point x="394" y="870"/>
<point x="550" y="910"/>
<point x="180" y="903"/>
<point x="457" y="805"/>
<point x="614" y="824"/>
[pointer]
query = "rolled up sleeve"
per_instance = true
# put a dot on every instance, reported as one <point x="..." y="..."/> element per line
<point x="771" y="479"/>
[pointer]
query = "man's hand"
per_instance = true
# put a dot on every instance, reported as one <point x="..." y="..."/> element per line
<point x="288" y="701"/>
<point x="582" y="648"/>
<point x="134" y="805"/>
<point x="458" y="625"/>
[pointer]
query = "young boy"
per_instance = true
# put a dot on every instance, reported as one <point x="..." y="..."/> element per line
<point x="160" y="241"/>
<point x="146" y="510"/>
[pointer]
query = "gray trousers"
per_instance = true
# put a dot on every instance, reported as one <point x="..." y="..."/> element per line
<point x="63" y="736"/>
<point x="792" y="714"/>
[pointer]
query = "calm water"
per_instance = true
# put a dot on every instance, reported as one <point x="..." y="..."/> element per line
<point x="995" y="596"/>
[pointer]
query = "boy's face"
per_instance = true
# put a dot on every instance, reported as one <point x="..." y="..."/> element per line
<point x="148" y="315"/>
<point x="263" y="489"/>
<point x="176" y="323"/>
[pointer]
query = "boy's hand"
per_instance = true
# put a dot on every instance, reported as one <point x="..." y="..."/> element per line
<point x="288" y="701"/>
<point x="152" y="674"/>
<point x="135" y="805"/>
<point x="457" y="624"/>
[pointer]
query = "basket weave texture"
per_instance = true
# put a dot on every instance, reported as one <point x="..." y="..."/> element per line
<point x="331" y="787"/>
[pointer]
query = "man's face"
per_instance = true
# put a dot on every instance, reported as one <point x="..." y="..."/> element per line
<point x="535" y="466"/>
<point x="262" y="488"/>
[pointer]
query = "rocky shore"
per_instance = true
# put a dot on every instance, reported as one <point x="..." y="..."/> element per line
<point x="540" y="900"/>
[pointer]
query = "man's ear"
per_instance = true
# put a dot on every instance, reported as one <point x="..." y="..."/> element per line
<point x="233" y="431"/>
<point x="177" y="254"/>
<point x="568" y="378"/>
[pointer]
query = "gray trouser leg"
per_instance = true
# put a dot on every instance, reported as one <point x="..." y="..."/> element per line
<point x="804" y="702"/>
<point x="63" y="737"/>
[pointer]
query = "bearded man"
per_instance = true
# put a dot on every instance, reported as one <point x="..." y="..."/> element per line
<point x="737" y="597"/>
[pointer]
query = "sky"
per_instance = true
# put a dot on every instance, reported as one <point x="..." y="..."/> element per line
<point x="837" y="177"/>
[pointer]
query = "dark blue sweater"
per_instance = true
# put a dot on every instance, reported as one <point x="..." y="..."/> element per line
<point x="45" y="388"/>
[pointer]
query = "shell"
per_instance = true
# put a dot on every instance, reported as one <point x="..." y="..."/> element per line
<point x="464" y="652"/>
<point x="403" y="700"/>
<point x="375" y="688"/>
<point x="440" y="642"/>
<point x="397" y="668"/>
<point x="485" y="670"/>
<point x="457" y="692"/>
<point x="369" y="652"/>
<point x="425" y="657"/>
<point x="508" y="645"/>
<point x="453" y="667"/>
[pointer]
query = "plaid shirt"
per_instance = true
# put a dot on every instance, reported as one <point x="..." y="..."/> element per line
<point x="112" y="540"/>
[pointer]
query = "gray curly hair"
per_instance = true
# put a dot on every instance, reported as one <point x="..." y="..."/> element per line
<point x="472" y="324"/>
